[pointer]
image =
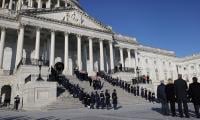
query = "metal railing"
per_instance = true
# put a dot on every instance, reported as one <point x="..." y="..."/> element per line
<point x="28" y="79"/>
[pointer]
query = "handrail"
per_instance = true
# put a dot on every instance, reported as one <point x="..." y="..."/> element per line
<point x="19" y="64"/>
<point x="28" y="79"/>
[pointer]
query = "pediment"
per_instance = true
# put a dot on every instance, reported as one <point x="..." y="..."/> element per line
<point x="75" y="17"/>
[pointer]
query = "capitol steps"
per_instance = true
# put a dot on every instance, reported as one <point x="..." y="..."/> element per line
<point x="124" y="97"/>
<point x="64" y="101"/>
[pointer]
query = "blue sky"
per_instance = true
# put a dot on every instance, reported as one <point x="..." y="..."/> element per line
<point x="167" y="24"/>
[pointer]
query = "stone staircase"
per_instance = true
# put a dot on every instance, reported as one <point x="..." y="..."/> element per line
<point x="64" y="101"/>
<point x="124" y="97"/>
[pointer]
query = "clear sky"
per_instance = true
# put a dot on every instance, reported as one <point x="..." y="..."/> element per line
<point x="167" y="24"/>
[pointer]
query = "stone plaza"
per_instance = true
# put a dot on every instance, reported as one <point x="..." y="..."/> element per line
<point x="46" y="32"/>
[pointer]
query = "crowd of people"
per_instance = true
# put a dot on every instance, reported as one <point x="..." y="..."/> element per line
<point x="92" y="99"/>
<point x="144" y="79"/>
<point x="94" y="82"/>
<point x="136" y="90"/>
<point x="179" y="92"/>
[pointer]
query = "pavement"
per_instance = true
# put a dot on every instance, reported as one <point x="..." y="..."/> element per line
<point x="143" y="111"/>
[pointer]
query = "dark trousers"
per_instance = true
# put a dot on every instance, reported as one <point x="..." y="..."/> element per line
<point x="165" y="108"/>
<point x="16" y="106"/>
<point x="185" y="106"/>
<point x="196" y="107"/>
<point x="172" y="107"/>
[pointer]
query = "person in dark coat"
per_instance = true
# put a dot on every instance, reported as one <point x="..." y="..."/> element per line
<point x="142" y="92"/>
<point x="102" y="100"/>
<point x="194" y="89"/>
<point x="97" y="100"/>
<point x="170" y="93"/>
<point x="149" y="96"/>
<point x="114" y="99"/>
<point x="161" y="95"/>
<point x="17" y="101"/>
<point x="138" y="90"/>
<point x="153" y="97"/>
<point x="134" y="91"/>
<point x="181" y="95"/>
<point x="92" y="100"/>
<point x="107" y="95"/>
<point x="145" y="94"/>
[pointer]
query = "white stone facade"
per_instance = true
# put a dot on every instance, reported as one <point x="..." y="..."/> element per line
<point x="61" y="31"/>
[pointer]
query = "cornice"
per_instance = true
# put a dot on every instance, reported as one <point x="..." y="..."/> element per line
<point x="125" y="39"/>
<point x="156" y="50"/>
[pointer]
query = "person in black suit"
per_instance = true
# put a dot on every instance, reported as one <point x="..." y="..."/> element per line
<point x="170" y="93"/>
<point x="194" y="89"/>
<point x="181" y="95"/>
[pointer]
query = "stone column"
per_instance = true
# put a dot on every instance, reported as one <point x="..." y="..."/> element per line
<point x="2" y="43"/>
<point x="37" y="44"/>
<point x="111" y="55"/>
<point x="129" y="57"/>
<point x="19" y="5"/>
<point x="136" y="57"/>
<point x="48" y="5"/>
<point x="39" y="4"/>
<point x="52" y="49"/>
<point x="20" y="43"/>
<point x="66" y="1"/>
<point x="66" y="56"/>
<point x="79" y="52"/>
<point x="30" y="3"/>
<point x="3" y="4"/>
<point x="91" y="53"/>
<point x="58" y="3"/>
<point x="121" y="57"/>
<point x="101" y="55"/>
<point x="10" y="4"/>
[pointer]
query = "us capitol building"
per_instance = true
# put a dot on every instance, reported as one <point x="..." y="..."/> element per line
<point x="61" y="31"/>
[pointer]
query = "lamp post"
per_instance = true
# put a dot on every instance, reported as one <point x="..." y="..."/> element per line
<point x="40" y="62"/>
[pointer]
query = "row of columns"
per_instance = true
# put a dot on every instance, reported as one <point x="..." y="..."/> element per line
<point x="20" y="41"/>
<point x="30" y="3"/>
<point x="129" y="57"/>
<point x="4" y="2"/>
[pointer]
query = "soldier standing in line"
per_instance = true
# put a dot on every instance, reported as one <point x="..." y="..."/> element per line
<point x="92" y="101"/>
<point x="134" y="90"/>
<point x="149" y="96"/>
<point x="114" y="99"/>
<point x="142" y="92"/>
<point x="17" y="101"/>
<point x="138" y="91"/>
<point x="97" y="100"/>
<point x="107" y="95"/>
<point x="145" y="94"/>
<point x="102" y="99"/>
<point x="153" y="97"/>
